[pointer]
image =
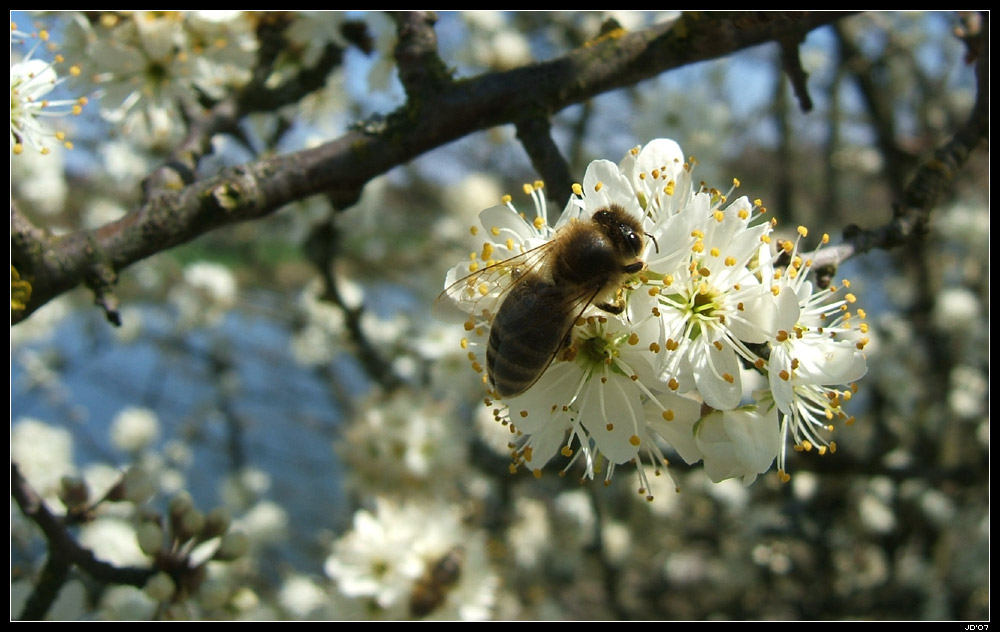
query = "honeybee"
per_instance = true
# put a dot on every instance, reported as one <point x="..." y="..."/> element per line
<point x="587" y="263"/>
<point x="432" y="588"/>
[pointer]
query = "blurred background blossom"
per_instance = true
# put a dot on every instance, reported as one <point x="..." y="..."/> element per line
<point x="288" y="373"/>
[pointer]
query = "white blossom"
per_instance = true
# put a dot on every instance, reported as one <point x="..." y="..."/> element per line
<point x="149" y="65"/>
<point x="134" y="429"/>
<point x="31" y="82"/>
<point x="409" y="444"/>
<point x="714" y="300"/>
<point x="414" y="561"/>
<point x="44" y="454"/>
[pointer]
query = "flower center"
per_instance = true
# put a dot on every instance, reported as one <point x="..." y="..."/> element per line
<point x="595" y="349"/>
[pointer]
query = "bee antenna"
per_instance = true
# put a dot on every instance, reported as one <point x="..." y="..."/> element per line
<point x="654" y="242"/>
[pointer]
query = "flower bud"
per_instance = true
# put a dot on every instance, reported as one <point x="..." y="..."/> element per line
<point x="216" y="523"/>
<point x="233" y="545"/>
<point x="191" y="524"/>
<point x="150" y="537"/>
<point x="160" y="587"/>
<point x="179" y="506"/>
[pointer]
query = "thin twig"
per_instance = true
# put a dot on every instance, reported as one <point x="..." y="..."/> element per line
<point x="64" y="551"/>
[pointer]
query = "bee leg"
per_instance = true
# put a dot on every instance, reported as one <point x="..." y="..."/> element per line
<point x="614" y="308"/>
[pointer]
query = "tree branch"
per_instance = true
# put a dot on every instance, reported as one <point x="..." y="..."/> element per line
<point x="64" y="551"/>
<point x="792" y="65"/>
<point x="420" y="69"/>
<point x="535" y="133"/>
<point x="342" y="167"/>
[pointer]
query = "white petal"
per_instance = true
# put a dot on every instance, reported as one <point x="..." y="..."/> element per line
<point x="616" y="404"/>
<point x="709" y="365"/>
<point x="757" y="321"/>
<point x="679" y="431"/>
<point x="508" y="223"/>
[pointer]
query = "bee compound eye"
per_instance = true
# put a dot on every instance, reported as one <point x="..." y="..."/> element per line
<point x="634" y="241"/>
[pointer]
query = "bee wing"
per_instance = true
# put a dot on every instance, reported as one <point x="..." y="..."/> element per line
<point x="574" y="305"/>
<point x="479" y="288"/>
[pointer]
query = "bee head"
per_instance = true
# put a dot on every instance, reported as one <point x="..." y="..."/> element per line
<point x="622" y="229"/>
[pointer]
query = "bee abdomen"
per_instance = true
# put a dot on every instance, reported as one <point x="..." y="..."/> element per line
<point x="527" y="332"/>
<point x="515" y="362"/>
